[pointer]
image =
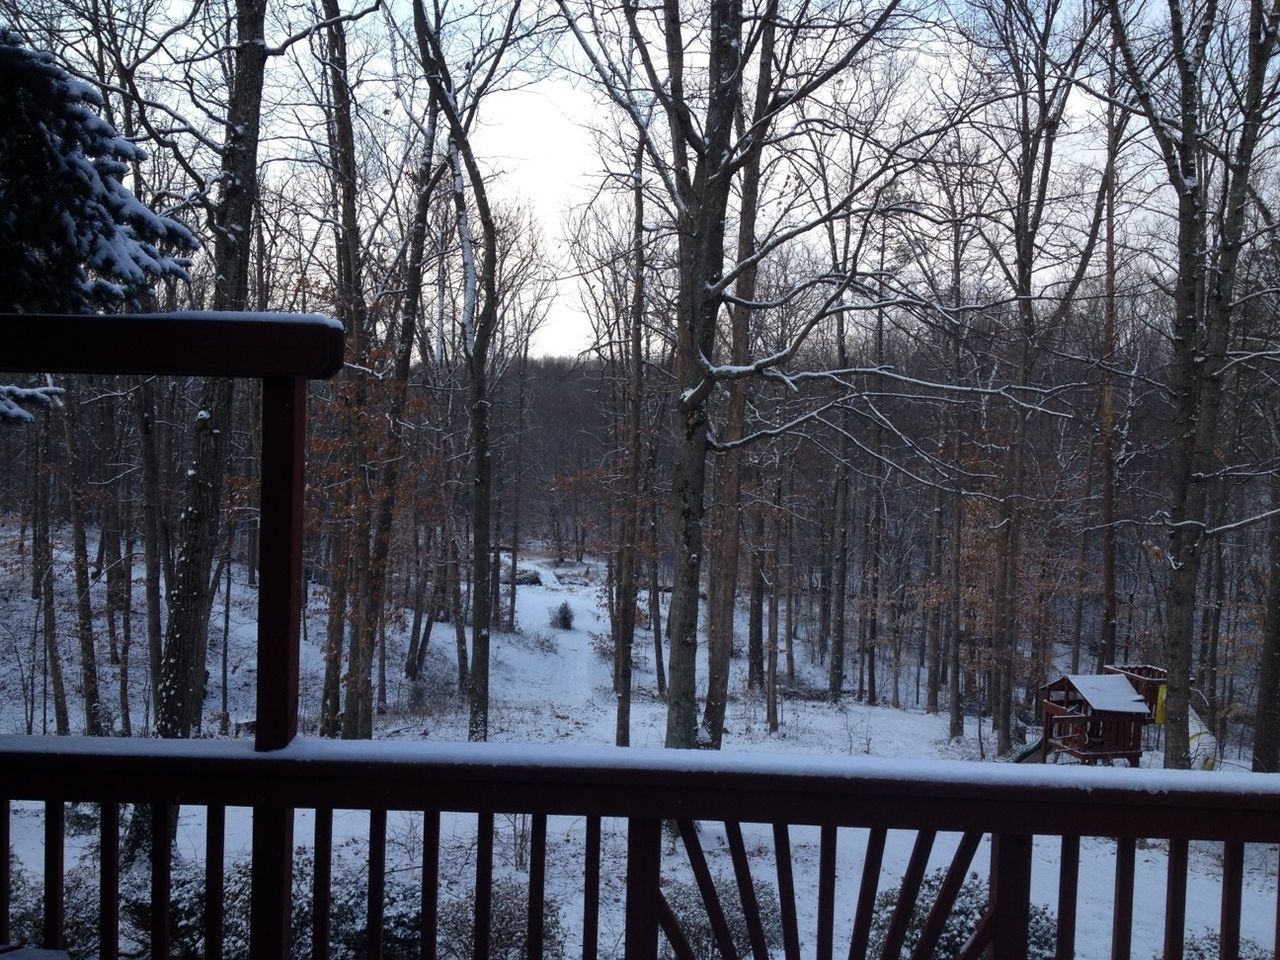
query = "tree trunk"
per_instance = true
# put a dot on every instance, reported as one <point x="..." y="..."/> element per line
<point x="93" y="724"/>
<point x="182" y="665"/>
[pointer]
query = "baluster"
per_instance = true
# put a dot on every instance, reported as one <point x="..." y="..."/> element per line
<point x="1010" y="895"/>
<point x="377" y="882"/>
<point x="1175" y="901"/>
<point x="786" y="891"/>
<point x="947" y="894"/>
<point x="826" y="890"/>
<point x="215" y="847"/>
<point x="644" y="869"/>
<point x="710" y="898"/>
<point x="161" y="853"/>
<point x="108" y="881"/>
<point x="867" y="894"/>
<point x="591" y="891"/>
<point x="321" y="885"/>
<point x="5" y="879"/>
<point x="430" y="882"/>
<point x="671" y="928"/>
<point x="1068" y="896"/>
<point x="907" y="895"/>
<point x="271" y="889"/>
<point x="1122" y="914"/>
<point x="54" y="895"/>
<point x="484" y="882"/>
<point x="1232" y="879"/>
<point x="746" y="890"/>
<point x="537" y="885"/>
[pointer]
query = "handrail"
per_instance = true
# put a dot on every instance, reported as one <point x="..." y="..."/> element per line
<point x="652" y="783"/>
<point x="185" y="343"/>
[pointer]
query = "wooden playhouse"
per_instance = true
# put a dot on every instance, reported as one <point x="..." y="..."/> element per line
<point x="1094" y="719"/>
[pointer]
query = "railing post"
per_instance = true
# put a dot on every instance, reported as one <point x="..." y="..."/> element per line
<point x="644" y="867"/>
<point x="279" y="608"/>
<point x="1010" y="895"/>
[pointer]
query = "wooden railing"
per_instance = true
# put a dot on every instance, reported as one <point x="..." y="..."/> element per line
<point x="644" y="790"/>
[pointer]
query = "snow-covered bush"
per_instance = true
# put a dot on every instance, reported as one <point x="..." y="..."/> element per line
<point x="24" y="903"/>
<point x="970" y="905"/>
<point x="1205" y="947"/>
<point x="508" y="925"/>
<point x="562" y="616"/>
<point x="686" y="903"/>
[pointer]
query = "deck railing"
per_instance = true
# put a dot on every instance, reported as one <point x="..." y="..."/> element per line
<point x="648" y="792"/>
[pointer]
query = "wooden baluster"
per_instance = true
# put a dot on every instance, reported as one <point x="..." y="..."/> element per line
<point x="644" y="869"/>
<point x="430" y="882"/>
<point x="54" y="894"/>
<point x="826" y="890"/>
<point x="484" y="883"/>
<point x="1122" y="912"/>
<point x="671" y="928"/>
<point x="1068" y="897"/>
<point x="710" y="898"/>
<point x="215" y="848"/>
<point x="947" y="893"/>
<point x="1232" y="880"/>
<point x="1175" y="901"/>
<point x="786" y="891"/>
<point x="321" y="885"/>
<point x="161" y="869"/>
<point x="377" y="883"/>
<point x="5" y="878"/>
<point x="1010" y="895"/>
<point x="907" y="895"/>
<point x="591" y="891"/>
<point x="108" y="881"/>
<point x="746" y="890"/>
<point x="537" y="885"/>
<point x="867" y="895"/>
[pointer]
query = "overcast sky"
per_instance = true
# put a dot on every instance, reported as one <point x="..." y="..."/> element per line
<point x="538" y="142"/>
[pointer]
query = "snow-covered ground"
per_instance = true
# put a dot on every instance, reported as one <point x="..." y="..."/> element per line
<point x="553" y="686"/>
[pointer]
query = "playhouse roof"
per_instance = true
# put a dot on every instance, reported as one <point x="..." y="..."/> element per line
<point x="1109" y="693"/>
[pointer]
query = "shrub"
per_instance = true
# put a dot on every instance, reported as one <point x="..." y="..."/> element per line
<point x="970" y="905"/>
<point x="1205" y="947"/>
<point x="686" y="903"/>
<point x="508" y="925"/>
<point x="562" y="616"/>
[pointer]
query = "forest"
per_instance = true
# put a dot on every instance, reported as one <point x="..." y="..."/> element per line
<point x="929" y="350"/>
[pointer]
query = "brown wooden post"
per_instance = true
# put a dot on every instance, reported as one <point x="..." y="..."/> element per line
<point x="284" y="402"/>
<point x="1010" y="895"/>
<point x="644" y="867"/>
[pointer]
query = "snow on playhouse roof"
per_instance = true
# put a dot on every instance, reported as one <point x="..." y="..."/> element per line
<point x="1108" y="693"/>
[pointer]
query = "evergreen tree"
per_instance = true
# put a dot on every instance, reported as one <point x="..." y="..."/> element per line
<point x="73" y="237"/>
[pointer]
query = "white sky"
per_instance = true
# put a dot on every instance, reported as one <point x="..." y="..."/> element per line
<point x="537" y="141"/>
